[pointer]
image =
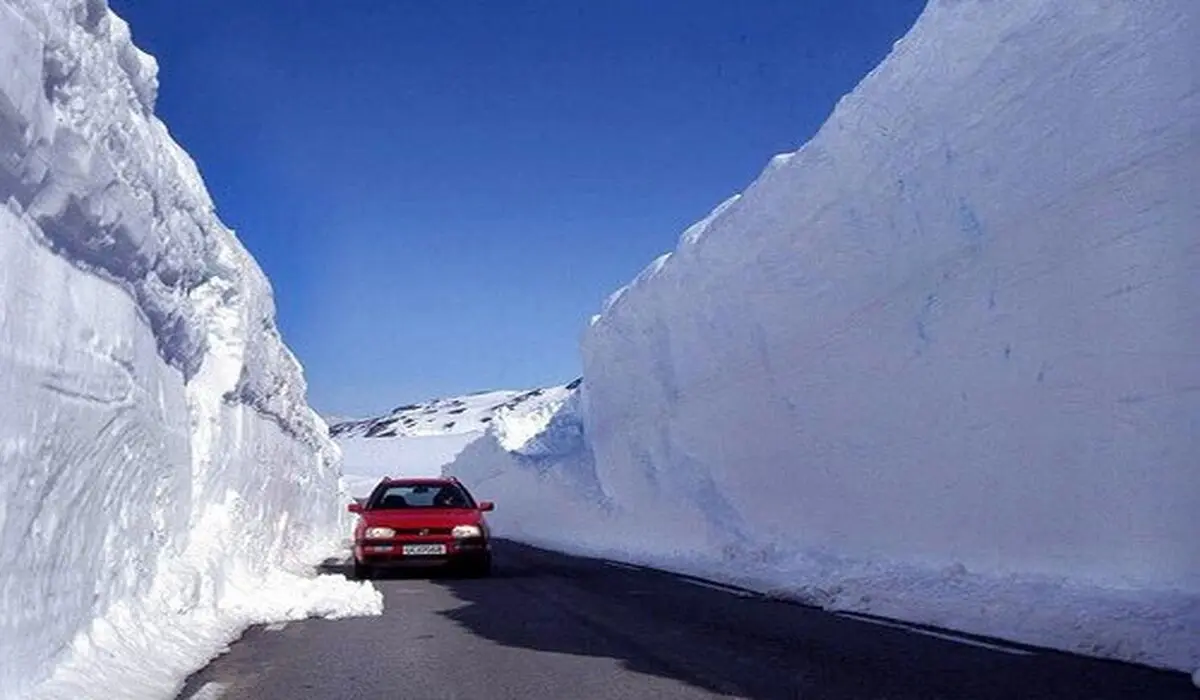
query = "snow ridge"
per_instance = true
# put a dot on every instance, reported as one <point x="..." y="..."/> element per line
<point x="442" y="416"/>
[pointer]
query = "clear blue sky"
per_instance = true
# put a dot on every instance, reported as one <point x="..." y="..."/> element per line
<point x="442" y="193"/>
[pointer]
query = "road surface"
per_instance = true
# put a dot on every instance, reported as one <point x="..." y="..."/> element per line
<point x="554" y="627"/>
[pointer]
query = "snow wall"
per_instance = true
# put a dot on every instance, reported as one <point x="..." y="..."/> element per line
<point x="941" y="362"/>
<point x="163" y="482"/>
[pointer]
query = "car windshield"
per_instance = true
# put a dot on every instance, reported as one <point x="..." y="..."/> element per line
<point x="396" y="496"/>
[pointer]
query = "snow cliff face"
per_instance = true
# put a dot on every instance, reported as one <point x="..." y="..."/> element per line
<point x="940" y="363"/>
<point x="160" y="470"/>
<point x="960" y="324"/>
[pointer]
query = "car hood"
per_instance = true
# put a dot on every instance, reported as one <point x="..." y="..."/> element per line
<point x="422" y="517"/>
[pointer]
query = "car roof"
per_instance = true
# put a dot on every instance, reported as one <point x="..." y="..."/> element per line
<point x="419" y="480"/>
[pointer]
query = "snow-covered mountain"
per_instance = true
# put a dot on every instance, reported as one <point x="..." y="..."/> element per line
<point x="163" y="482"/>
<point x="419" y="439"/>
<point x="938" y="364"/>
<point x="452" y="416"/>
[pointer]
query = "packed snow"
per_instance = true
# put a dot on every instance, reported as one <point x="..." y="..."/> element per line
<point x="939" y="364"/>
<point x="163" y="483"/>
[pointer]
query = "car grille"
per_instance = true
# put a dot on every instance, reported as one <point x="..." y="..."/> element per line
<point x="422" y="531"/>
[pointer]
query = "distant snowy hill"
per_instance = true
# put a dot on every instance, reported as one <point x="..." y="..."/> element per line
<point x="938" y="364"/>
<point x="451" y="416"/>
<point x="419" y="439"/>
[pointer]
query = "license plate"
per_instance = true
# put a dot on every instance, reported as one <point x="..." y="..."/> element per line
<point x="424" y="550"/>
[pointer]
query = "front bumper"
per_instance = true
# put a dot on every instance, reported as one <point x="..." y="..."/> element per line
<point x="390" y="553"/>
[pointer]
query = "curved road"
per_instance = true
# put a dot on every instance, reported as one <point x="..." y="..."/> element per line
<point x="554" y="627"/>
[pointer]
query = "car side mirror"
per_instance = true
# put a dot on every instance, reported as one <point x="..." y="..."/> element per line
<point x="355" y="507"/>
<point x="487" y="506"/>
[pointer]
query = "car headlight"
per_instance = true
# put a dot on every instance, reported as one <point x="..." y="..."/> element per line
<point x="466" y="532"/>
<point x="379" y="533"/>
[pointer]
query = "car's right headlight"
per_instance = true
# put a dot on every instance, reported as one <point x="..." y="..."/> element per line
<point x="466" y="532"/>
<point x="379" y="533"/>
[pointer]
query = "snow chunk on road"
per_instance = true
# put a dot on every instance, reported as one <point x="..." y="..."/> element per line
<point x="146" y="650"/>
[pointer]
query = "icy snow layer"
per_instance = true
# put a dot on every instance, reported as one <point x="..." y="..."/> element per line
<point x="162" y="481"/>
<point x="940" y="363"/>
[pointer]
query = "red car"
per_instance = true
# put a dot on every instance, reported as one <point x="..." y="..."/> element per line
<point x="421" y="522"/>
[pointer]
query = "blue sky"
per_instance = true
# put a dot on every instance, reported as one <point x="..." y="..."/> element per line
<point x="442" y="193"/>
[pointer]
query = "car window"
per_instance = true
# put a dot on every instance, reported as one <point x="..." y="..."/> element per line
<point x="399" y="496"/>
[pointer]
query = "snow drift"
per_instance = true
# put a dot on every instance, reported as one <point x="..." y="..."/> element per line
<point x="534" y="458"/>
<point x="940" y="363"/>
<point x="163" y="482"/>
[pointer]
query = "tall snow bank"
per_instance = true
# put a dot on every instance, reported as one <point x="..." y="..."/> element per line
<point x="163" y="483"/>
<point x="940" y="363"/>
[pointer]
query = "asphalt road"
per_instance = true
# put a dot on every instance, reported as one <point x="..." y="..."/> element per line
<point x="554" y="627"/>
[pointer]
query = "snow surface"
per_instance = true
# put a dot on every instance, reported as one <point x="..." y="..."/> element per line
<point x="939" y="364"/>
<point x="163" y="483"/>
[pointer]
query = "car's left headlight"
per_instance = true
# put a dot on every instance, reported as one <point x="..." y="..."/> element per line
<point x="466" y="532"/>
